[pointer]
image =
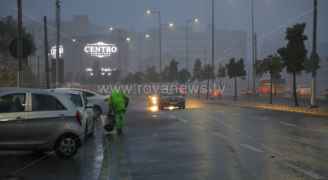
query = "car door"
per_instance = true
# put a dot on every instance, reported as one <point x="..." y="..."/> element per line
<point x="12" y="120"/>
<point x="45" y="119"/>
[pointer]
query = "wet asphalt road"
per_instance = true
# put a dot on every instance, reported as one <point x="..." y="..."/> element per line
<point x="205" y="142"/>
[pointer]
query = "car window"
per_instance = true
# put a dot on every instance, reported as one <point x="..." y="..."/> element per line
<point x="12" y="103"/>
<point x="42" y="102"/>
<point x="76" y="99"/>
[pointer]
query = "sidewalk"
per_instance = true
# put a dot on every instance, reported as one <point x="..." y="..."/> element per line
<point x="276" y="106"/>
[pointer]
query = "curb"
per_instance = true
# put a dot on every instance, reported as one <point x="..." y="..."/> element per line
<point x="276" y="107"/>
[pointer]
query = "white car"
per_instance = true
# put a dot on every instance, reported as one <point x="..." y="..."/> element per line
<point x="97" y="101"/>
<point x="39" y="120"/>
<point x="81" y="103"/>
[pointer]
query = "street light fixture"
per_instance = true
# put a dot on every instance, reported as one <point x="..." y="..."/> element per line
<point x="196" y="20"/>
<point x="111" y="29"/>
<point x="188" y="23"/>
<point x="147" y="36"/>
<point x="171" y="25"/>
<point x="158" y="13"/>
<point x="148" y="12"/>
<point x="128" y="39"/>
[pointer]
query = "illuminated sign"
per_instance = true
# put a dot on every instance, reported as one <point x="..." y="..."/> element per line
<point x="54" y="49"/>
<point x="100" y="49"/>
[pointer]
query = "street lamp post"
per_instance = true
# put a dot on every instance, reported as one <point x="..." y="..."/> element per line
<point x="19" y="43"/>
<point x="149" y="12"/>
<point x="57" y="41"/>
<point x="212" y="52"/>
<point x="314" y="54"/>
<point x="188" y="23"/>
<point x="253" y="48"/>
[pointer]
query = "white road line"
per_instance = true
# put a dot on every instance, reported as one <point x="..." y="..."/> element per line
<point x="306" y="172"/>
<point x="251" y="148"/>
<point x="288" y="124"/>
<point x="34" y="162"/>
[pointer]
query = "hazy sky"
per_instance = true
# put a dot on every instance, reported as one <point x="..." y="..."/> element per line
<point x="272" y="16"/>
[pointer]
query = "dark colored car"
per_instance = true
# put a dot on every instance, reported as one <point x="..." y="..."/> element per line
<point x="171" y="101"/>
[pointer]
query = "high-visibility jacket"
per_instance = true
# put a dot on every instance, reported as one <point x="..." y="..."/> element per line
<point x="118" y="101"/>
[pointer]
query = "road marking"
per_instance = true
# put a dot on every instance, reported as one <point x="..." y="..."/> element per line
<point x="306" y="172"/>
<point x="288" y="124"/>
<point x="251" y="148"/>
<point x="34" y="162"/>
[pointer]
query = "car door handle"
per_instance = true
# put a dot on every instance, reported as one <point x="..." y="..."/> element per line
<point x="19" y="118"/>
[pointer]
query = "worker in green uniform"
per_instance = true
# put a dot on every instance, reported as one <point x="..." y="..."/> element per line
<point x="118" y="102"/>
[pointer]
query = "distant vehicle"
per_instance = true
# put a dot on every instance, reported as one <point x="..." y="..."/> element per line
<point x="88" y="116"/>
<point x="39" y="120"/>
<point x="97" y="101"/>
<point x="168" y="101"/>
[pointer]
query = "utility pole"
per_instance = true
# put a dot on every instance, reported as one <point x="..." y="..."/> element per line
<point x="253" y="48"/>
<point x="46" y="49"/>
<point x="57" y="42"/>
<point x="38" y="70"/>
<point x="187" y="46"/>
<point x="314" y="55"/>
<point x="213" y="38"/>
<point x="19" y="43"/>
<point x="160" y="43"/>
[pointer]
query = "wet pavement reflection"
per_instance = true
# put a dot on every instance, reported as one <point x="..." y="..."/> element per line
<point x="210" y="141"/>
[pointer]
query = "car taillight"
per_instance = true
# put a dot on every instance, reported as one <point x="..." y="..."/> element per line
<point x="78" y="117"/>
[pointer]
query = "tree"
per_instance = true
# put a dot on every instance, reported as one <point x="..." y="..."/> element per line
<point x="184" y="76"/>
<point x="134" y="78"/>
<point x="294" y="54"/>
<point x="173" y="71"/>
<point x="221" y="74"/>
<point x="197" y="70"/>
<point x="151" y="75"/>
<point x="8" y="33"/>
<point x="207" y="72"/>
<point x="273" y="66"/>
<point x="221" y="71"/>
<point x="235" y="70"/>
<point x="8" y="38"/>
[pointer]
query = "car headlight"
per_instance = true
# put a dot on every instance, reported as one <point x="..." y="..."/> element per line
<point x="154" y="100"/>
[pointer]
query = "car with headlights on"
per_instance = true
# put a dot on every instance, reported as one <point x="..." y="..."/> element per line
<point x="39" y="120"/>
<point x="168" y="101"/>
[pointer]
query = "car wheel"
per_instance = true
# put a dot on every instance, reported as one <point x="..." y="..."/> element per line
<point x="67" y="146"/>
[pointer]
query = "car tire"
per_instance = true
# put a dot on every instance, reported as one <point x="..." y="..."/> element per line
<point x="67" y="146"/>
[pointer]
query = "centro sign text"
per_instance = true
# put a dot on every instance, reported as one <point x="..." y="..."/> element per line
<point x="100" y="49"/>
